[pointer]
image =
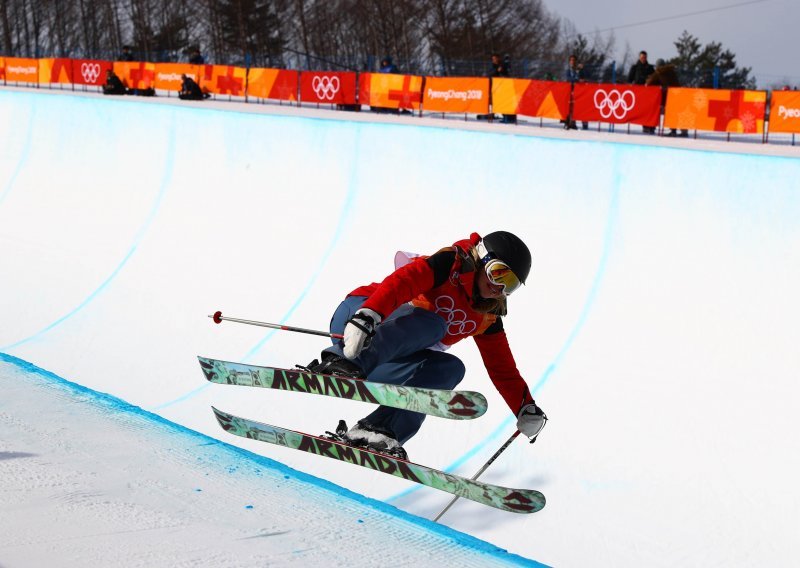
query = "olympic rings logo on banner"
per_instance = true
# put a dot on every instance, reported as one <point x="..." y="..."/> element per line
<point x="457" y="322"/>
<point x="613" y="103"/>
<point x="325" y="87"/>
<point x="90" y="72"/>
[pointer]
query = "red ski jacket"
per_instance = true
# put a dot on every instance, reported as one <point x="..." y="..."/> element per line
<point x="444" y="283"/>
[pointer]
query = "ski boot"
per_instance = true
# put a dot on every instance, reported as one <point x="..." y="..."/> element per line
<point x="333" y="364"/>
<point x="365" y="435"/>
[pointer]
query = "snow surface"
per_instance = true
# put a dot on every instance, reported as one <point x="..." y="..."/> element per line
<point x="92" y="481"/>
<point x="658" y="329"/>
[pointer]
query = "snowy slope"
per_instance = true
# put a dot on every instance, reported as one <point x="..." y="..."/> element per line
<point x="91" y="481"/>
<point x="658" y="328"/>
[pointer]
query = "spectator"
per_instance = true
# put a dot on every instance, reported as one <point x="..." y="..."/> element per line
<point x="113" y="85"/>
<point x="195" y="58"/>
<point x="665" y="76"/>
<point x="387" y="66"/>
<point x="190" y="90"/>
<point x="640" y="70"/>
<point x="638" y="75"/>
<point x="126" y="54"/>
<point x="574" y="74"/>
<point x="502" y="68"/>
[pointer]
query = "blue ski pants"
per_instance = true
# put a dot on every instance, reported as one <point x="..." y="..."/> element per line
<point x="399" y="355"/>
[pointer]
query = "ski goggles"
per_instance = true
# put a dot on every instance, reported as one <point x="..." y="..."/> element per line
<point x="500" y="274"/>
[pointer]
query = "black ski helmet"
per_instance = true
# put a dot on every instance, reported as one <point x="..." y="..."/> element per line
<point x="510" y="249"/>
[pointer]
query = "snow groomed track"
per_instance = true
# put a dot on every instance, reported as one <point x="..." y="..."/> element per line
<point x="658" y="328"/>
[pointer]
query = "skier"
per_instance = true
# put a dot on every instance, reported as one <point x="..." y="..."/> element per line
<point x="397" y="332"/>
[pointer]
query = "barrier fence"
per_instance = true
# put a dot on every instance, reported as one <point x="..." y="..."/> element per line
<point x="713" y="110"/>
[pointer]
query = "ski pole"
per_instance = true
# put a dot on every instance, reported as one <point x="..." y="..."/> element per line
<point x="480" y="471"/>
<point x="219" y="318"/>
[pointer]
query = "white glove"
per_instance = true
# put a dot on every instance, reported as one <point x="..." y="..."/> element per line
<point x="531" y="420"/>
<point x="359" y="331"/>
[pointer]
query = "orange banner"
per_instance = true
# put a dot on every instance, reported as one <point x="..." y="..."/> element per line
<point x="718" y="110"/>
<point x="469" y="95"/>
<point x="55" y="71"/>
<point x="224" y="80"/>
<point x="546" y="99"/>
<point x="135" y="74"/>
<point x="273" y="84"/>
<point x="3" y="69"/>
<point x="22" y="70"/>
<point x="784" y="112"/>
<point x="387" y="90"/>
<point x="169" y="76"/>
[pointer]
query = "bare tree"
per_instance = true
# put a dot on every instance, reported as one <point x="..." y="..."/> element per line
<point x="423" y="36"/>
<point x="5" y="21"/>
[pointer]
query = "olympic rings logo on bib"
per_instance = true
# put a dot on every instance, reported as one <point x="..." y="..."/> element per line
<point x="457" y="322"/>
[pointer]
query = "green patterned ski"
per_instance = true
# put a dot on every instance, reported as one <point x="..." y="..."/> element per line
<point x="513" y="500"/>
<point x="457" y="405"/>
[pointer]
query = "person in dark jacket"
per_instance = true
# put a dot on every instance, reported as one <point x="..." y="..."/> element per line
<point x="113" y="85"/>
<point x="640" y="70"/>
<point x="387" y="65"/>
<point x="666" y="76"/>
<point x="638" y="75"/>
<point x="502" y="68"/>
<point x="190" y="90"/>
<point x="574" y="74"/>
<point x="398" y="332"/>
<point x="195" y="58"/>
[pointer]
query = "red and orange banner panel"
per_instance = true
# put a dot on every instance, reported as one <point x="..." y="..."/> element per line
<point x="135" y="74"/>
<point x="169" y="76"/>
<point x="55" y="71"/>
<point x="280" y="84"/>
<point x="388" y="90"/>
<point x="90" y="71"/>
<point x="719" y="110"/>
<point x="328" y="87"/>
<point x="467" y="95"/>
<point x="546" y="99"/>
<point x="22" y="70"/>
<point x="618" y="104"/>
<point x="784" y="112"/>
<point x="224" y="80"/>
